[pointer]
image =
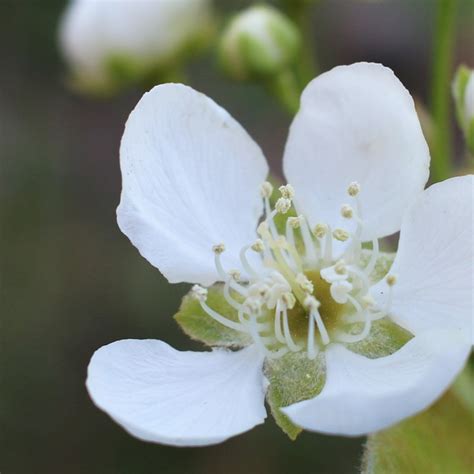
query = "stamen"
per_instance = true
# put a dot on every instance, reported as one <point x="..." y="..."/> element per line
<point x="312" y="304"/>
<point x="266" y="189"/>
<point x="278" y="333"/>
<point x="258" y="246"/>
<point x="228" y="297"/>
<point x="353" y="189"/>
<point x="350" y="338"/>
<point x="287" y="191"/>
<point x="347" y="212"/>
<point x="245" y="263"/>
<point x="373" y="258"/>
<point x="340" y="234"/>
<point x="283" y="205"/>
<point x="307" y="240"/>
<point x="286" y="328"/>
<point x="201" y="295"/>
<point x="391" y="279"/>
<point x="320" y="230"/>
<point x="304" y="283"/>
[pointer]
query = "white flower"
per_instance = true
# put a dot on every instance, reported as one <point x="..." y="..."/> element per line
<point x="191" y="183"/>
<point x="139" y="36"/>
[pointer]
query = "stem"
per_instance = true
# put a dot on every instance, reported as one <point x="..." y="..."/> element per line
<point x="306" y="67"/>
<point x="440" y="91"/>
<point x="286" y="89"/>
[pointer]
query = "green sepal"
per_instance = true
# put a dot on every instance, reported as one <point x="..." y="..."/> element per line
<point x="382" y="266"/>
<point x="437" y="441"/>
<point x="385" y="338"/>
<point x="293" y="378"/>
<point x="198" y="325"/>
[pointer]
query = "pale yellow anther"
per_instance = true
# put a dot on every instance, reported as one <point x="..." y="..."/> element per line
<point x="340" y="267"/>
<point x="304" y="283"/>
<point x="340" y="234"/>
<point x="367" y="301"/>
<point x="288" y="300"/>
<point x="281" y="242"/>
<point x="347" y="211"/>
<point x="234" y="274"/>
<point x="311" y="303"/>
<point x="391" y="279"/>
<point x="258" y="246"/>
<point x="320" y="230"/>
<point x="294" y="222"/>
<point x="218" y="248"/>
<point x="287" y="191"/>
<point x="263" y="230"/>
<point x="283" y="205"/>
<point x="353" y="189"/>
<point x="199" y="293"/>
<point x="266" y="189"/>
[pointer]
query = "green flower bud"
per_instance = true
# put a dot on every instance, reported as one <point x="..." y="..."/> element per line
<point x="463" y="91"/>
<point x="258" y="42"/>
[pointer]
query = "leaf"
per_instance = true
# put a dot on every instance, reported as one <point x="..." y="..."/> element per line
<point x="198" y="325"/>
<point x="437" y="441"/>
<point x="293" y="378"/>
<point x="385" y="338"/>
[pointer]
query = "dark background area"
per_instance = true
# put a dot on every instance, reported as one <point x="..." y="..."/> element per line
<point x="71" y="282"/>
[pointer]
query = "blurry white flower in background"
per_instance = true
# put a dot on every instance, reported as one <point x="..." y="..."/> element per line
<point x="108" y="44"/>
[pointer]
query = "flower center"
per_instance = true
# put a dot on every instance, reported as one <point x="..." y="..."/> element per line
<point x="299" y="296"/>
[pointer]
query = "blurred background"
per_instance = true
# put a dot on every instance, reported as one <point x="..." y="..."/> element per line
<point x="71" y="282"/>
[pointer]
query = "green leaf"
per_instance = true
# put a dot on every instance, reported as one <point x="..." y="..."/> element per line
<point x="385" y="338"/>
<point x="293" y="378"/>
<point x="198" y="325"/>
<point x="438" y="441"/>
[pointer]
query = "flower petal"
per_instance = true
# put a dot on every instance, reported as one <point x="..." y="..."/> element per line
<point x="357" y="123"/>
<point x="165" y="396"/>
<point x="434" y="264"/>
<point x="364" y="395"/>
<point x="191" y="178"/>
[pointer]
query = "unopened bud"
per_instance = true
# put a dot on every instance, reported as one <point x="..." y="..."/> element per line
<point x="259" y="42"/>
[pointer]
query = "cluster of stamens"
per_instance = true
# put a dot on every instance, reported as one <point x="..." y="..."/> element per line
<point x="299" y="284"/>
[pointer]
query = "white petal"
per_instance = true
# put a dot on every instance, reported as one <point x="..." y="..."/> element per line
<point x="191" y="178"/>
<point x="357" y="123"/>
<point x="434" y="264"/>
<point x="364" y="395"/>
<point x="165" y="396"/>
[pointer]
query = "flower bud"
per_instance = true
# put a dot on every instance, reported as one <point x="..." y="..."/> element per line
<point x="463" y="91"/>
<point x="258" y="42"/>
<point x="108" y="45"/>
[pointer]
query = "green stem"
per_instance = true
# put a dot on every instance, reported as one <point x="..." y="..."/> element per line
<point x="306" y="67"/>
<point x="441" y="165"/>
<point x="286" y="89"/>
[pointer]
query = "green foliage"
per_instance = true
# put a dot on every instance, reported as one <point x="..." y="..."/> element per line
<point x="293" y="378"/>
<point x="198" y="325"/>
<point x="438" y="441"/>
